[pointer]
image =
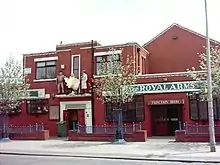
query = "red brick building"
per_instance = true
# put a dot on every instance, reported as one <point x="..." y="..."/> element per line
<point x="163" y="89"/>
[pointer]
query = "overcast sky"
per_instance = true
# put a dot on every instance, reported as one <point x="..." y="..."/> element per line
<point x="38" y="25"/>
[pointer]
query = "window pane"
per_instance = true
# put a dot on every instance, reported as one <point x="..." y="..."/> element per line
<point x="108" y="58"/>
<point x="140" y="114"/>
<point x="131" y="105"/>
<point x="76" y="73"/>
<point x="51" y="72"/>
<point x="76" y="63"/>
<point x="98" y="68"/>
<point x="129" y="116"/>
<point x="116" y="69"/>
<point x="48" y="63"/>
<point x="99" y="59"/>
<point x="140" y="109"/>
<point x="116" y="57"/>
<point x="108" y="112"/>
<point x="40" y="64"/>
<point x="203" y="110"/>
<point x="193" y="110"/>
<point x="40" y="73"/>
<point x="109" y="67"/>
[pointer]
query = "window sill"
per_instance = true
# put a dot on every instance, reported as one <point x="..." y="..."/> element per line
<point x="43" y="80"/>
<point x="98" y="76"/>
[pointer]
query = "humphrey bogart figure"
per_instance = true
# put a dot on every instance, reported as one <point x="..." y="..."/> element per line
<point x="60" y="82"/>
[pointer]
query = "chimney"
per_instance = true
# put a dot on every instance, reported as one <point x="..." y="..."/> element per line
<point x="61" y="42"/>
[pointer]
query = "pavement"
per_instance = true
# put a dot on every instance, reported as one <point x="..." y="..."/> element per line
<point x="152" y="150"/>
<point x="45" y="160"/>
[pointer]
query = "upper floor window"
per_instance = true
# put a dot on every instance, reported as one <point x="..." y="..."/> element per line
<point x="107" y="63"/>
<point x="45" y="70"/>
<point x="76" y="66"/>
<point x="143" y="65"/>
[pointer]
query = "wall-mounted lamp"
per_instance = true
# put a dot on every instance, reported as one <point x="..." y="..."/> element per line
<point x="62" y="66"/>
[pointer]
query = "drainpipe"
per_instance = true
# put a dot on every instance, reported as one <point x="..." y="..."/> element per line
<point x="92" y="83"/>
<point x="139" y="56"/>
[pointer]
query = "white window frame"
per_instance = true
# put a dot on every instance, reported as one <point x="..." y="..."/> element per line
<point x="44" y="59"/>
<point x="76" y="55"/>
<point x="101" y="54"/>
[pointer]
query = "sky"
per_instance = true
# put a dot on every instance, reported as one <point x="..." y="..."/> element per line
<point x="29" y="26"/>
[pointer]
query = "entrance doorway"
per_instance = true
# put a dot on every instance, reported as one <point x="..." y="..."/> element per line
<point x="165" y="119"/>
<point x="72" y="119"/>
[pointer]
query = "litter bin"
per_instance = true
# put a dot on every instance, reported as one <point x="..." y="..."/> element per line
<point x="62" y="129"/>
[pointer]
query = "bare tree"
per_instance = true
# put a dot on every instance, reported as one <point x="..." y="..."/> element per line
<point x="12" y="86"/>
<point x="201" y="78"/>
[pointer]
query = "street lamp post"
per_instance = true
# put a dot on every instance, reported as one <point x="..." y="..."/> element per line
<point x="209" y="90"/>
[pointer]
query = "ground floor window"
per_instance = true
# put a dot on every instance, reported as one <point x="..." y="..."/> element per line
<point x="133" y="111"/>
<point x="199" y="109"/>
<point x="10" y="107"/>
<point x="37" y="106"/>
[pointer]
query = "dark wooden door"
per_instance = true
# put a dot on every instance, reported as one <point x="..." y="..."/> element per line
<point x="73" y="119"/>
<point x="174" y="116"/>
<point x="159" y="121"/>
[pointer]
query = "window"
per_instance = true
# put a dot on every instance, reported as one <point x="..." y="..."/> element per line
<point x="194" y="109"/>
<point x="45" y="70"/>
<point x="217" y="109"/>
<point x="133" y="111"/>
<point x="143" y="65"/>
<point x="203" y="110"/>
<point x="37" y="106"/>
<point x="108" y="61"/>
<point x="76" y="65"/>
<point x="199" y="109"/>
<point x="99" y="61"/>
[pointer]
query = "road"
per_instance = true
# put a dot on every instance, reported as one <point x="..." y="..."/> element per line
<point x="40" y="160"/>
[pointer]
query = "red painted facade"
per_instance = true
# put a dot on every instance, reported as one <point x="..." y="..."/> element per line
<point x="173" y="51"/>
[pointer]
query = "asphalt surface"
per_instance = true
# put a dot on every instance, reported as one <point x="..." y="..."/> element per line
<point x="45" y="160"/>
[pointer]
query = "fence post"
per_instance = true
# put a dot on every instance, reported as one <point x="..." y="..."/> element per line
<point x="186" y="128"/>
<point x="197" y="127"/>
<point x="105" y="128"/>
<point x="180" y="125"/>
<point x="42" y="127"/>
<point x="140" y="126"/>
<point x="133" y="127"/>
<point x="36" y="127"/>
<point x="20" y="129"/>
<point x="30" y="128"/>
<point x="78" y="129"/>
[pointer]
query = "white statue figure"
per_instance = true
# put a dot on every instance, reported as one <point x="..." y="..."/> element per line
<point x="72" y="83"/>
<point x="84" y="79"/>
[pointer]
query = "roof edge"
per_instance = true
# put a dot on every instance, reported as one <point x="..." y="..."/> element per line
<point x="183" y="28"/>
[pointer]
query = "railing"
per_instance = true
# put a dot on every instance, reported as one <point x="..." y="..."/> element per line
<point x="109" y="129"/>
<point x="6" y="130"/>
<point x="26" y="128"/>
<point x="198" y="129"/>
